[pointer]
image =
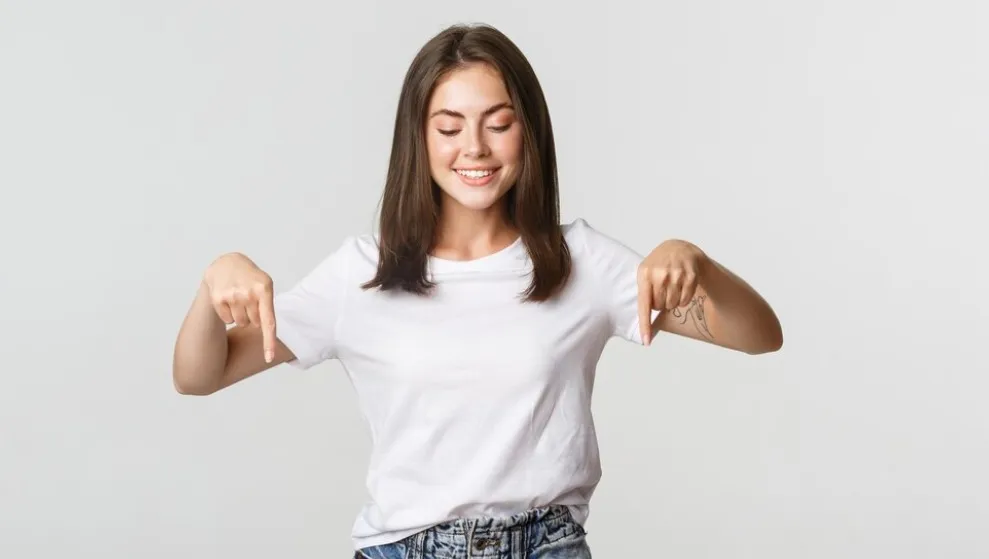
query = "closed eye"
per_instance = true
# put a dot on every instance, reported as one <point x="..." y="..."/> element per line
<point x="498" y="129"/>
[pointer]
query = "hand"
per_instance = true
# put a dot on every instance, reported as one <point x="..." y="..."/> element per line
<point x="667" y="279"/>
<point x="242" y="293"/>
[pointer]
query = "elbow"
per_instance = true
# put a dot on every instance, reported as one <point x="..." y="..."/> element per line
<point x="767" y="348"/>
<point x="770" y="343"/>
<point x="190" y="385"/>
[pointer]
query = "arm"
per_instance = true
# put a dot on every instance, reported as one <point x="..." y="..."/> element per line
<point x="701" y="299"/>
<point x="208" y="357"/>
<point x="725" y="311"/>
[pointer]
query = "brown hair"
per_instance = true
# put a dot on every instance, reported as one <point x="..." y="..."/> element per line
<point x="410" y="201"/>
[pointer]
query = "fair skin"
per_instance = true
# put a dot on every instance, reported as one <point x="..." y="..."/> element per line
<point x="703" y="300"/>
<point x="472" y="126"/>
<point x="472" y="131"/>
<point x="474" y="143"/>
<point x="208" y="356"/>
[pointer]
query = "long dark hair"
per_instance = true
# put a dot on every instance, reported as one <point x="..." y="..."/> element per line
<point x="410" y="202"/>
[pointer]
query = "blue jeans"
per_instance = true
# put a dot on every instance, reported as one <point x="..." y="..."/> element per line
<point x="543" y="533"/>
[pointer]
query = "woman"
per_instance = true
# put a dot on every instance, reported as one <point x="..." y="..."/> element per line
<point x="472" y="323"/>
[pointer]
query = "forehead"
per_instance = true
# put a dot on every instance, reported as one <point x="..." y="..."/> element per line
<point x="471" y="89"/>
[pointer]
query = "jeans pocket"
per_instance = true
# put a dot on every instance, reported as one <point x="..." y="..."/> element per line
<point x="571" y="546"/>
<point x="396" y="550"/>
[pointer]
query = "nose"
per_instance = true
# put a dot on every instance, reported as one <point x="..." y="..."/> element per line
<point x="476" y="146"/>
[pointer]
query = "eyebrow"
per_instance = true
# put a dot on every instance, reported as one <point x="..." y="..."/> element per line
<point x="488" y="111"/>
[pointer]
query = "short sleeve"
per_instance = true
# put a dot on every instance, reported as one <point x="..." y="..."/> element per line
<point x="307" y="314"/>
<point x="615" y="268"/>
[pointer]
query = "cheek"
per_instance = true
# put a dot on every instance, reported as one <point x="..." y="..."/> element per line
<point x="508" y="147"/>
<point x="442" y="152"/>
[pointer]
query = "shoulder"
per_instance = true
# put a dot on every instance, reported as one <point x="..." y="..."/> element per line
<point x="576" y="233"/>
<point x="363" y="249"/>
<point x="575" y="230"/>
<point x="606" y="270"/>
<point x="353" y="249"/>
<point x="343" y="259"/>
<point x="587" y="242"/>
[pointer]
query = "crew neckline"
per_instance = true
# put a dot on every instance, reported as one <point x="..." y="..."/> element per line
<point x="496" y="260"/>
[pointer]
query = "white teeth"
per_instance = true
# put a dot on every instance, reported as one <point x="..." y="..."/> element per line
<point x="474" y="174"/>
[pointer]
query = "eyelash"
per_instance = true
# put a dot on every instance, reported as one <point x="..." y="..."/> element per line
<point x="498" y="129"/>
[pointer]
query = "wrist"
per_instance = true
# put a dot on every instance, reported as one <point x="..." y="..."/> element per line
<point x="710" y="275"/>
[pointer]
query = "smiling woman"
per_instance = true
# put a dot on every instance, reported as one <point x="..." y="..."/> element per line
<point x="473" y="151"/>
<point x="472" y="323"/>
<point x="474" y="141"/>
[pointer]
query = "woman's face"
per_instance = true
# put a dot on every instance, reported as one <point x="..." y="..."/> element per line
<point x="473" y="138"/>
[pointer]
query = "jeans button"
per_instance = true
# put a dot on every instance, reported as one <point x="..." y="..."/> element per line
<point x="482" y="544"/>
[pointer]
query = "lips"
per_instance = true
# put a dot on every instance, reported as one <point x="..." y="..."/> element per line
<point x="475" y="173"/>
<point x="476" y="177"/>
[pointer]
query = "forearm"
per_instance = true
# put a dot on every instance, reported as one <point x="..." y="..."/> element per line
<point x="737" y="316"/>
<point x="200" y="349"/>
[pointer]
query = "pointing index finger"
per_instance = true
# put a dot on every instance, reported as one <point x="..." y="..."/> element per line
<point x="266" y="308"/>
<point x="645" y="310"/>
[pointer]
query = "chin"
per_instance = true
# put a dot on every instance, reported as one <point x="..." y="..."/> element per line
<point x="476" y="201"/>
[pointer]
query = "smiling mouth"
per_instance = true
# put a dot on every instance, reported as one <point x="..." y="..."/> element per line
<point x="475" y="173"/>
<point x="477" y="177"/>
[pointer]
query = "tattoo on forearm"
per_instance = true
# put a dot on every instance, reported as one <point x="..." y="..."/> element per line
<point x="694" y="312"/>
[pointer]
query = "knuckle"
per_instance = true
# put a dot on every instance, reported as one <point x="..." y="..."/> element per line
<point x="261" y="289"/>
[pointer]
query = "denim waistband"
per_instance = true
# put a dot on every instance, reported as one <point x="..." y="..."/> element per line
<point x="507" y="537"/>
<point x="550" y="517"/>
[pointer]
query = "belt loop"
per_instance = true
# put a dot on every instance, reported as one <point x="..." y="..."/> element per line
<point x="418" y="547"/>
<point x="471" y="523"/>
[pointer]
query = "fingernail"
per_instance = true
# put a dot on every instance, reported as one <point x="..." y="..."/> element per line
<point x="269" y="355"/>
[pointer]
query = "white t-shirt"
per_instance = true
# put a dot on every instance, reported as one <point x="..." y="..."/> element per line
<point x="478" y="404"/>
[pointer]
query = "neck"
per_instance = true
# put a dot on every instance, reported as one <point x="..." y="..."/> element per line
<point x="464" y="234"/>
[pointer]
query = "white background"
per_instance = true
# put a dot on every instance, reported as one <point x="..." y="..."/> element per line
<point x="834" y="154"/>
